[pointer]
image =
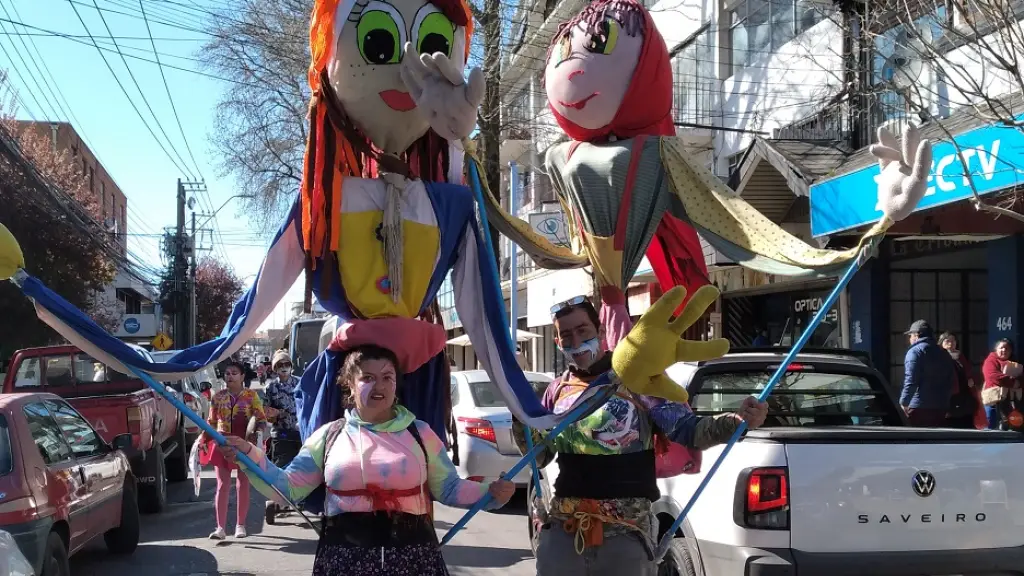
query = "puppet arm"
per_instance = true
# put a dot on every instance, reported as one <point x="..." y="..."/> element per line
<point x="738" y="230"/>
<point x="544" y="253"/>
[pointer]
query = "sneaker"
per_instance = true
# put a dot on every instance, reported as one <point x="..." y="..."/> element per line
<point x="240" y="532"/>
<point x="218" y="534"/>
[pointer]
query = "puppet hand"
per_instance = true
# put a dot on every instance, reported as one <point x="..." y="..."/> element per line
<point x="448" y="101"/>
<point x="654" y="344"/>
<point x="901" y="185"/>
<point x="11" y="257"/>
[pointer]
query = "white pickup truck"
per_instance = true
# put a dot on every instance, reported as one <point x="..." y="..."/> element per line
<point x="836" y="483"/>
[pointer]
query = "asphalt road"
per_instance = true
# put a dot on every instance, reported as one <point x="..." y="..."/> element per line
<point x="175" y="542"/>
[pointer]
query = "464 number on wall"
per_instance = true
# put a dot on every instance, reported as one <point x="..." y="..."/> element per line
<point x="1004" y="323"/>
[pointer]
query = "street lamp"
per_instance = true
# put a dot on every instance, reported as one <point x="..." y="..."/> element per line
<point x="194" y="312"/>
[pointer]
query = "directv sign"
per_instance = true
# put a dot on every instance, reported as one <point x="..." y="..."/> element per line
<point x="994" y="157"/>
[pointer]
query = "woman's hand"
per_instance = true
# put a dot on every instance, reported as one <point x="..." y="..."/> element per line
<point x="234" y="445"/>
<point x="271" y="412"/>
<point x="752" y="412"/>
<point x="501" y="490"/>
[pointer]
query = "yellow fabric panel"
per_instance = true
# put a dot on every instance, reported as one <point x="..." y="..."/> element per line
<point x="709" y="203"/>
<point x="606" y="260"/>
<point x="361" y="264"/>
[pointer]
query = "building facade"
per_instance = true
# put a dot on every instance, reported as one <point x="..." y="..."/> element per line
<point x="131" y="302"/>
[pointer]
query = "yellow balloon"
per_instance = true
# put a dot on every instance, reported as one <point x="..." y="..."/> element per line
<point x="11" y="258"/>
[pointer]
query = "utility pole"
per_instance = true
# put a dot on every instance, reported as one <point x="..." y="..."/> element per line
<point x="192" y="310"/>
<point x="180" y="268"/>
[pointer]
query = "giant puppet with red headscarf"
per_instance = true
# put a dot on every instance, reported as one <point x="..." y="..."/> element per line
<point x="629" y="188"/>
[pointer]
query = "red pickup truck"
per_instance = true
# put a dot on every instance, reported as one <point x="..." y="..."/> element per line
<point x="114" y="404"/>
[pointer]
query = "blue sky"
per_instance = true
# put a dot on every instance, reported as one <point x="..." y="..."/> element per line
<point x="83" y="88"/>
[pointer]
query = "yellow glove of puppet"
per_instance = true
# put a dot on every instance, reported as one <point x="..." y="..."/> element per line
<point x="655" y="343"/>
<point x="11" y="258"/>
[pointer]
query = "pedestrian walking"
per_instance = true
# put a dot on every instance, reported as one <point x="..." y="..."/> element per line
<point x="965" y="409"/>
<point x="231" y="411"/>
<point x="381" y="467"/>
<point x="1002" y="384"/>
<point x="929" y="378"/>
<point x="285" y="441"/>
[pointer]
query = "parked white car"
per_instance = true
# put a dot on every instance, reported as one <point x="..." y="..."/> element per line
<point x="484" y="425"/>
<point x="836" y="482"/>
<point x="196" y="391"/>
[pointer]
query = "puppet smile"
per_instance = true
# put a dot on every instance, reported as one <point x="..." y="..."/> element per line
<point x="398" y="100"/>
<point x="579" y="104"/>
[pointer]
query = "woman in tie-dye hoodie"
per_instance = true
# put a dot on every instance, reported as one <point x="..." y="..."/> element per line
<point x="381" y="468"/>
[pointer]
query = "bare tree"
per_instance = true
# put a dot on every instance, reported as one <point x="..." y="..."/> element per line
<point x="262" y="47"/>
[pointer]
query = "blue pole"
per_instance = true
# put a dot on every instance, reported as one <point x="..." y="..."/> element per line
<point x="212" y="433"/>
<point x="513" y="207"/>
<point x="666" y="540"/>
<point x="594" y="401"/>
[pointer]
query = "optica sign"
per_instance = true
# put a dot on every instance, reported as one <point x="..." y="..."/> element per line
<point x="994" y="159"/>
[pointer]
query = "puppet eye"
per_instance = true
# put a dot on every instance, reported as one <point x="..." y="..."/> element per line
<point x="379" y="39"/>
<point x="562" y="49"/>
<point x="604" y="39"/>
<point x="435" y="33"/>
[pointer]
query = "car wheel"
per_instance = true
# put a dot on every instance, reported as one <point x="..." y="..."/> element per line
<point x="677" y="560"/>
<point x="55" y="559"/>
<point x="177" y="463"/>
<point x="153" y="497"/>
<point x="125" y="538"/>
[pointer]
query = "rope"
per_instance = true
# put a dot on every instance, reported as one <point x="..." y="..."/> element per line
<point x="582" y="523"/>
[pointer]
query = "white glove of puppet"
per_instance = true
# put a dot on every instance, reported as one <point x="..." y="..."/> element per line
<point x="436" y="84"/>
<point x="901" y="185"/>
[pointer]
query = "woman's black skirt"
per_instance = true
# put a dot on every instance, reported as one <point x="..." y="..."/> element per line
<point x="378" y="544"/>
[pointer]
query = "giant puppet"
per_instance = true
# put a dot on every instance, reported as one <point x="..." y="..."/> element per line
<point x="629" y="188"/>
<point x="380" y="221"/>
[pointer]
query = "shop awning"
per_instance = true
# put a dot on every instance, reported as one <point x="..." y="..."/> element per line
<point x="995" y="161"/>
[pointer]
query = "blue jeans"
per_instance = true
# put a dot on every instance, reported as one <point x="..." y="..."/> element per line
<point x="994" y="418"/>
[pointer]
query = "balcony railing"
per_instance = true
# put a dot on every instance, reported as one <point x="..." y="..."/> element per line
<point x="854" y="120"/>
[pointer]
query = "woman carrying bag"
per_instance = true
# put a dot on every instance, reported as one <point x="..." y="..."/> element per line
<point x="1002" y="387"/>
<point x="381" y="468"/>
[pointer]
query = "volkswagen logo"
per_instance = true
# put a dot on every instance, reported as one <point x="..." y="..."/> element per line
<point x="923" y="483"/>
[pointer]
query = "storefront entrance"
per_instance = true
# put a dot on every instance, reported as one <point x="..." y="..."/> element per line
<point x="784" y="315"/>
<point x="950" y="300"/>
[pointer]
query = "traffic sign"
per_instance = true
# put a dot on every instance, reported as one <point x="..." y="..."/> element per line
<point x="162" y="342"/>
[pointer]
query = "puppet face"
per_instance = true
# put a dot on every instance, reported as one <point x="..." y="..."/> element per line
<point x="588" y="74"/>
<point x="364" y="66"/>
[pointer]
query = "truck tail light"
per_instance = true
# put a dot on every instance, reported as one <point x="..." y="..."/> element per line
<point x="134" y="420"/>
<point x="762" y="499"/>
<point x="478" y="428"/>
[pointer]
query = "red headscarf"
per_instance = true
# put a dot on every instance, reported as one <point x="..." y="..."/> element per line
<point x="646" y="108"/>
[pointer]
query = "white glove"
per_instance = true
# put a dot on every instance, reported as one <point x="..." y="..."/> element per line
<point x="901" y="185"/>
<point x="449" y="102"/>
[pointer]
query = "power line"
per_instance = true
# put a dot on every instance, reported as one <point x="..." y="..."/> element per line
<point x="167" y="87"/>
<point x="137" y="87"/>
<point x="125" y="92"/>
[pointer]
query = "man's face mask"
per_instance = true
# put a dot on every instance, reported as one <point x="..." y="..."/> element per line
<point x="284" y="371"/>
<point x="583" y="356"/>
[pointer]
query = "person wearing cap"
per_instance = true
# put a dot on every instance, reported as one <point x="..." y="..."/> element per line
<point x="285" y="441"/>
<point x="929" y="378"/>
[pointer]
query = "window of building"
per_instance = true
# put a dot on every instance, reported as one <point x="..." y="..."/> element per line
<point x="124" y="217"/>
<point x="517" y="110"/>
<point x="764" y="26"/>
<point x="734" y="162"/>
<point x="693" y="67"/>
<point x="92" y="180"/>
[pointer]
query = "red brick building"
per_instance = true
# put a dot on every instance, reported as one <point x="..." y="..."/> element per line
<point x="112" y="201"/>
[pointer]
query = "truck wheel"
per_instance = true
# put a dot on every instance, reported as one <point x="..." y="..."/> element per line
<point x="55" y="559"/>
<point x="153" y="497"/>
<point x="177" y="463"/>
<point x="677" y="560"/>
<point x="125" y="538"/>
